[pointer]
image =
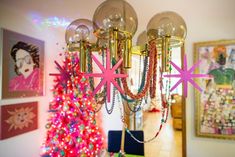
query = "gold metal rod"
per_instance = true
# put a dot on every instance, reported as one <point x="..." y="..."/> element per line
<point x="167" y="52"/>
<point x="115" y="34"/>
<point x="82" y="56"/>
<point x="139" y="50"/>
<point x="139" y="53"/>
<point x="123" y="140"/>
<point x="127" y="53"/>
<point x="113" y="42"/>
<point x="164" y="53"/>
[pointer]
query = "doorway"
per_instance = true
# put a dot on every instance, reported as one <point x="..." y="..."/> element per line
<point x="171" y="141"/>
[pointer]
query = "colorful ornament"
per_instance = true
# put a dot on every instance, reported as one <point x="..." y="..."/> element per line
<point x="64" y="74"/>
<point x="72" y="131"/>
<point x="186" y="76"/>
<point x="79" y="139"/>
<point x="108" y="75"/>
<point x="91" y="146"/>
<point x="48" y="125"/>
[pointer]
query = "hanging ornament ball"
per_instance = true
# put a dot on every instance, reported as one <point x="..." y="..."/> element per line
<point x="61" y="131"/>
<point x="83" y="79"/>
<point x="85" y="114"/>
<point x="77" y="104"/>
<point x="91" y="146"/>
<point x="48" y="125"/>
<point x="70" y="142"/>
<point x="75" y="114"/>
<point x="66" y="107"/>
<point x="83" y="155"/>
<point x="79" y="139"/>
<point x="94" y="105"/>
<point x="62" y="153"/>
<point x="91" y="113"/>
<point x="82" y="127"/>
<point x="79" y="95"/>
<point x="56" y="149"/>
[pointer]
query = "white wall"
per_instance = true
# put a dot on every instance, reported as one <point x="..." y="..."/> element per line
<point x="18" y="18"/>
<point x="206" y="20"/>
<point x="28" y="144"/>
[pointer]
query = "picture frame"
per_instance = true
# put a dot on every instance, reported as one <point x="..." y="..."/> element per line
<point x="16" y="119"/>
<point x="22" y="65"/>
<point x="215" y="105"/>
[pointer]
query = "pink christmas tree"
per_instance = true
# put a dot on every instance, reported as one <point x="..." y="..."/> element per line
<point x="72" y="129"/>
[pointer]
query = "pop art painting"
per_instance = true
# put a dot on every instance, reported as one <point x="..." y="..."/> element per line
<point x="22" y="65"/>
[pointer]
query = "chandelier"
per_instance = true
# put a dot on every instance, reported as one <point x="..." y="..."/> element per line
<point x="111" y="33"/>
<point x="116" y="21"/>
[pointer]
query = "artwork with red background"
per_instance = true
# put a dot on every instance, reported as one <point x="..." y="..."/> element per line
<point x="17" y="119"/>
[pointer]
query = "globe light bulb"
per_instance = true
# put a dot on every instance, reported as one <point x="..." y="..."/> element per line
<point x="116" y="14"/>
<point x="80" y="30"/>
<point x="114" y="20"/>
<point x="166" y="27"/>
<point x="167" y="24"/>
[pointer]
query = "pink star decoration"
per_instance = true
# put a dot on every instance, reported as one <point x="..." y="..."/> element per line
<point x="65" y="76"/>
<point x="65" y="73"/>
<point x="108" y="75"/>
<point x="186" y="76"/>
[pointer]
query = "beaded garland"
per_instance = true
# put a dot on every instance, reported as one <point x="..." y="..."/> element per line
<point x="152" y="59"/>
<point x="165" y="99"/>
<point x="164" y="115"/>
<point x="147" y="83"/>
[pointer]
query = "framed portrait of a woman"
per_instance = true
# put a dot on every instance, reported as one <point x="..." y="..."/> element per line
<point x="215" y="105"/>
<point x="22" y="65"/>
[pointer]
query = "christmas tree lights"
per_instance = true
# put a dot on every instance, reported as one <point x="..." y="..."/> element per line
<point x="72" y="129"/>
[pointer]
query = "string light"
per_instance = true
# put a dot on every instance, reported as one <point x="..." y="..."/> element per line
<point x="72" y="130"/>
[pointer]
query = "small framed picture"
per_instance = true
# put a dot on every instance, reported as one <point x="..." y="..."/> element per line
<point x="22" y="65"/>
<point x="215" y="105"/>
<point x="18" y="119"/>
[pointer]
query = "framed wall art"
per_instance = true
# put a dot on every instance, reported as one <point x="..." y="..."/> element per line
<point x="215" y="105"/>
<point x="22" y="65"/>
<point x="18" y="119"/>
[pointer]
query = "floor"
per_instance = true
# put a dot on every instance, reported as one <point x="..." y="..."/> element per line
<point x="169" y="141"/>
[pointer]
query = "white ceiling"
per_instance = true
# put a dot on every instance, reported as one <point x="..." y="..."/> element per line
<point x="75" y="9"/>
<point x="195" y="13"/>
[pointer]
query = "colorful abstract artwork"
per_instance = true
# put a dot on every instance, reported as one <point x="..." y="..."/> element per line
<point x="215" y="116"/>
<point x="18" y="119"/>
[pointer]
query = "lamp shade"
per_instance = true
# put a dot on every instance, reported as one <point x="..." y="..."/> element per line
<point x="117" y="14"/>
<point x="167" y="24"/>
<point x="80" y="29"/>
